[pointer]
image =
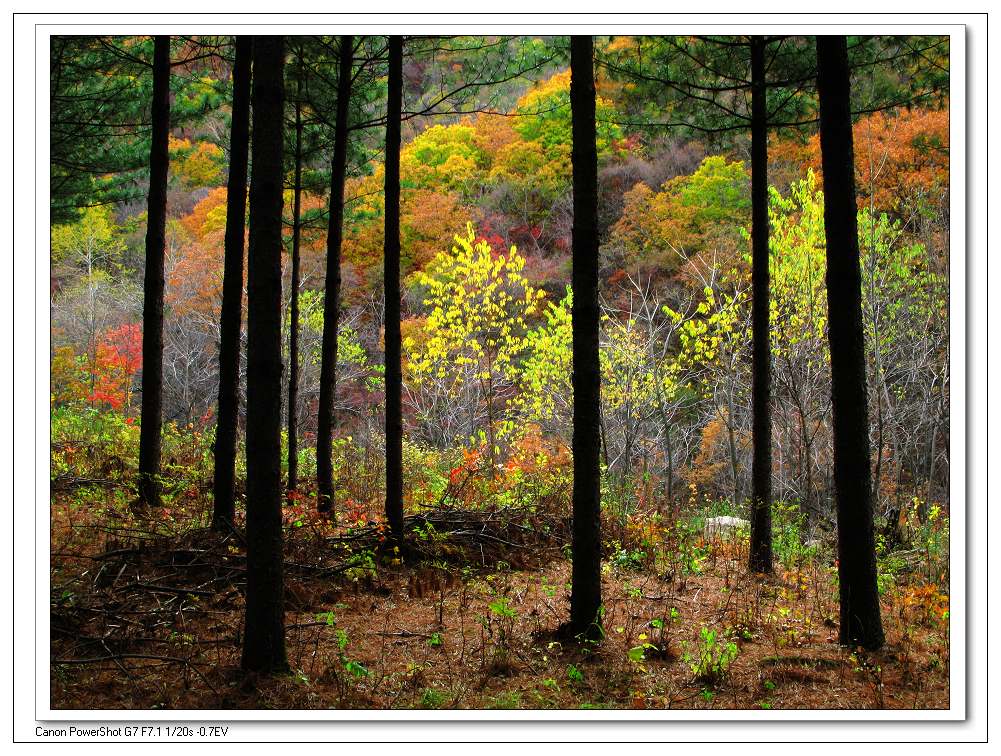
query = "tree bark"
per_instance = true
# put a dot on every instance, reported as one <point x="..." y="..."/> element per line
<point x="332" y="293"/>
<point x="761" y="470"/>
<point x="585" y="598"/>
<point x="860" y="613"/>
<point x="391" y="276"/>
<point x="293" y="337"/>
<point x="264" y="632"/>
<point x="232" y="291"/>
<point x="156" y="240"/>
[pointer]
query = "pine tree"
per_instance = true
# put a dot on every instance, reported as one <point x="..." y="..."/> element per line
<point x="293" y="337"/>
<point x="761" y="472"/>
<point x="860" y="615"/>
<point x="585" y="598"/>
<point x="332" y="296"/>
<point x="391" y="274"/>
<point x="153" y="282"/>
<point x="264" y="632"/>
<point x="232" y="290"/>
<point x="99" y="124"/>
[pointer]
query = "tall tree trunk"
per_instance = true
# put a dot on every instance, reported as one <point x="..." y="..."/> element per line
<point x="761" y="470"/>
<point x="391" y="282"/>
<point x="232" y="291"/>
<point x="860" y="614"/>
<point x="332" y="294"/>
<point x="293" y="337"/>
<point x="264" y="633"/>
<point x="156" y="241"/>
<point x="585" y="597"/>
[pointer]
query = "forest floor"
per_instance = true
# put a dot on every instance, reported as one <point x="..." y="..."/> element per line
<point x="147" y="613"/>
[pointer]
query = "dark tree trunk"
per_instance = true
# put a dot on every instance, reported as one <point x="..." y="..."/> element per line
<point x="332" y="294"/>
<point x="293" y="337"/>
<point x="585" y="598"/>
<point x="264" y="633"/>
<point x="232" y="291"/>
<point x="156" y="239"/>
<point x="860" y="615"/>
<point x="761" y="473"/>
<point x="391" y="278"/>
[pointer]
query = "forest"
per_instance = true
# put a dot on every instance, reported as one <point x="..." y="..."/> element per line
<point x="499" y="372"/>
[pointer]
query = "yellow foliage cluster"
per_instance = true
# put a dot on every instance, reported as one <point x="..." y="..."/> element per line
<point x="69" y="379"/>
<point x="441" y="158"/>
<point x="198" y="164"/>
<point x="480" y="304"/>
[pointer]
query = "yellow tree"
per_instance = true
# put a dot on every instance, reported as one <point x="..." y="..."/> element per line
<point x="479" y="312"/>
<point x="84" y="255"/>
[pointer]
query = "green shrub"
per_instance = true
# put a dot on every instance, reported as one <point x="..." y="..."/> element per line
<point x="712" y="656"/>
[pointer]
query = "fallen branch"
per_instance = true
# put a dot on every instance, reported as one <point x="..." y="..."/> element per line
<point x="118" y="658"/>
<point x="168" y="589"/>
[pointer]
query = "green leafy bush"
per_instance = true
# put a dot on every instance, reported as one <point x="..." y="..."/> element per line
<point x="711" y="658"/>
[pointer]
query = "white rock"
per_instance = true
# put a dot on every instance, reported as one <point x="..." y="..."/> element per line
<point x="724" y="527"/>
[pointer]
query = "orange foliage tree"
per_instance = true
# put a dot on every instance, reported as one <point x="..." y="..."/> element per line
<point x="427" y="224"/>
<point x="194" y="276"/>
<point x="208" y="216"/>
<point x="901" y="162"/>
<point x="688" y="215"/>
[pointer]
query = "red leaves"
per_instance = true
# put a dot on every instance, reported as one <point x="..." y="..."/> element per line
<point x="123" y="348"/>
<point x="101" y="396"/>
<point x="627" y="144"/>
<point x="494" y="240"/>
<point x="119" y="358"/>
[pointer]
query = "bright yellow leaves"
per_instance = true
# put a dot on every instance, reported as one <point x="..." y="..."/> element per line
<point x="479" y="304"/>
<point x="797" y="264"/>
<point x="93" y="238"/>
<point x="479" y="308"/>
<point x="546" y="395"/>
<point x="719" y="335"/>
